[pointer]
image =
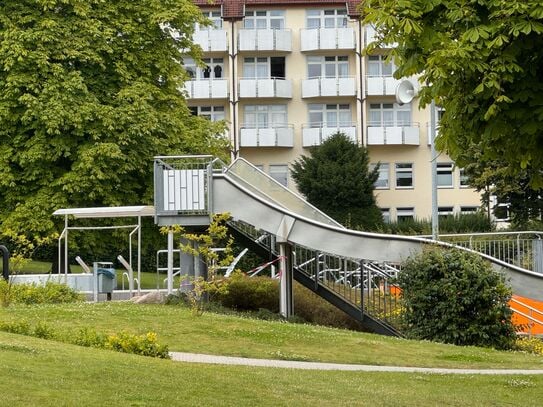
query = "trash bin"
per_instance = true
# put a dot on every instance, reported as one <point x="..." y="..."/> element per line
<point x="107" y="280"/>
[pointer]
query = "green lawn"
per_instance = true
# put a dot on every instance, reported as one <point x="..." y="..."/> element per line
<point x="231" y="335"/>
<point x="37" y="372"/>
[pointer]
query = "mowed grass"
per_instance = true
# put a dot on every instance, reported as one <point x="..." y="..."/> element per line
<point x="220" y="334"/>
<point x="37" y="372"/>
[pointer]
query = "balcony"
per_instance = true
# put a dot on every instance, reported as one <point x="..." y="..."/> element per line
<point x="314" y="134"/>
<point x="381" y="85"/>
<point x="265" y="40"/>
<point x="322" y="39"/>
<point x="212" y="40"/>
<point x="278" y="136"/>
<point x="370" y="35"/>
<point x="265" y="88"/>
<point x="326" y="87"/>
<point x="207" y="89"/>
<point x="393" y="135"/>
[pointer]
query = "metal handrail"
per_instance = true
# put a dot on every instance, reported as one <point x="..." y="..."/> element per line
<point x="527" y="306"/>
<point x="317" y="125"/>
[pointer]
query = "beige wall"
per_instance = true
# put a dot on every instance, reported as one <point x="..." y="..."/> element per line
<point x="418" y="197"/>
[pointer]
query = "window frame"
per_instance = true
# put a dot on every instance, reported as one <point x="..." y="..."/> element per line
<point x="271" y="173"/>
<point x="256" y="16"/>
<point x="445" y="169"/>
<point x="327" y="109"/>
<point x="338" y="62"/>
<point x="270" y="110"/>
<point x="324" y="16"/>
<point x="398" y="170"/>
<point x="395" y="109"/>
<point x="382" y="171"/>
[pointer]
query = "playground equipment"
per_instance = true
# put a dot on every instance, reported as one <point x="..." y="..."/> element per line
<point x="351" y="269"/>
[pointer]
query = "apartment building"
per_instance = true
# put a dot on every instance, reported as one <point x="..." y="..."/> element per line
<point x="286" y="74"/>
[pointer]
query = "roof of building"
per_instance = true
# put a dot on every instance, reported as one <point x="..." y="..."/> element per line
<point x="234" y="9"/>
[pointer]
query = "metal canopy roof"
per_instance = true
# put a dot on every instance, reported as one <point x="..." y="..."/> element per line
<point x="108" y="212"/>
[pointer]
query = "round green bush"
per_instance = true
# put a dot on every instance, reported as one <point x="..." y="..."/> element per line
<point x="455" y="296"/>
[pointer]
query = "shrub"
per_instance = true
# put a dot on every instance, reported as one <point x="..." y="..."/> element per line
<point x="454" y="296"/>
<point x="261" y="296"/>
<point x="145" y="345"/>
<point x="529" y="345"/>
<point x="249" y="294"/>
<point x="51" y="293"/>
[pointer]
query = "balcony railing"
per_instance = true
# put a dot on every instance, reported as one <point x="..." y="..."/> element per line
<point x="314" y="134"/>
<point x="276" y="136"/>
<point x="429" y="132"/>
<point x="370" y="35"/>
<point x="207" y="89"/>
<point x="211" y="40"/>
<point x="318" y="87"/>
<point x="265" y="88"/>
<point x="320" y="39"/>
<point x="379" y="134"/>
<point x="265" y="40"/>
<point x="381" y="85"/>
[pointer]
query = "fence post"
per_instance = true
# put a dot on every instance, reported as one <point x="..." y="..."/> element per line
<point x="5" y="262"/>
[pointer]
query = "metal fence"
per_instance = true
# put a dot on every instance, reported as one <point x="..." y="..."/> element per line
<point x="522" y="249"/>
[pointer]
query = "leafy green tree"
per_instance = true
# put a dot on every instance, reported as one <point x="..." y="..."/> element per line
<point x="454" y="296"/>
<point x="493" y="179"/>
<point x="89" y="93"/>
<point x="484" y="61"/>
<point x="336" y="178"/>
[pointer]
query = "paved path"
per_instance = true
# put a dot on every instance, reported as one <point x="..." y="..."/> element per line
<point x="229" y="360"/>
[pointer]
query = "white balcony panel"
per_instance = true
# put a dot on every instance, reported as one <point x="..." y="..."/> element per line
<point x="381" y="86"/>
<point x="411" y="136"/>
<point x="249" y="137"/>
<point x="376" y="136"/>
<point x="314" y="136"/>
<point x="267" y="137"/>
<point x="318" y="87"/>
<point x="265" y="40"/>
<point x="265" y="88"/>
<point x="393" y="135"/>
<point x="211" y="40"/>
<point x="370" y="34"/>
<point x="311" y="136"/>
<point x="390" y="85"/>
<point x="207" y="89"/>
<point x="316" y="39"/>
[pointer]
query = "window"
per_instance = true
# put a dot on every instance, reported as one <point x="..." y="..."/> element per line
<point x="378" y="66"/>
<point x="264" y="67"/>
<point x="213" y="68"/>
<point x="327" y="67"/>
<point x="385" y="212"/>
<point x="329" y="115"/>
<point x="404" y="175"/>
<point x="279" y="173"/>
<point x="326" y="18"/>
<point x="405" y="214"/>
<point x="264" y="20"/>
<point x="382" y="181"/>
<point x="265" y="116"/>
<point x="389" y="115"/>
<point x="445" y="175"/>
<point x="213" y="113"/>
<point x="215" y="17"/>
<point x="445" y="211"/>
<point x="463" y="179"/>
<point x="464" y="210"/>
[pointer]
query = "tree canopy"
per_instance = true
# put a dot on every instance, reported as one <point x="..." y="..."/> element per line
<point x="336" y="178"/>
<point x="484" y="62"/>
<point x="89" y="93"/>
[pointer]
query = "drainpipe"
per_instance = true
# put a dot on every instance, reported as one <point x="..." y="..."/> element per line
<point x="5" y="262"/>
<point x="233" y="97"/>
<point x="362" y="88"/>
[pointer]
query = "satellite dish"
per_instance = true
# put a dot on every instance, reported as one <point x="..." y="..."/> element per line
<point x="405" y="92"/>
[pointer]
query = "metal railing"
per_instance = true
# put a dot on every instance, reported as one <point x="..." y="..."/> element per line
<point x="533" y="321"/>
<point x="521" y="249"/>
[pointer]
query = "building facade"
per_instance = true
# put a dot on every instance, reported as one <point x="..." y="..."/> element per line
<point x="287" y="74"/>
